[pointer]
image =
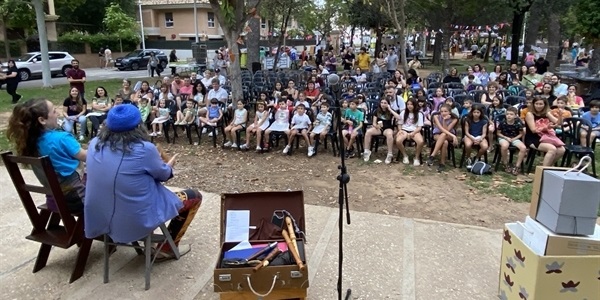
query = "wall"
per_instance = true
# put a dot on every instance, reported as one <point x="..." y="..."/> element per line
<point x="183" y="23"/>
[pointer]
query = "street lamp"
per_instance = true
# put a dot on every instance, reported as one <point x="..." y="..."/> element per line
<point x="142" y="25"/>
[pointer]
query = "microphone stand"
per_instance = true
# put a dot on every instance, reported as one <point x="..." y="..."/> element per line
<point x="343" y="179"/>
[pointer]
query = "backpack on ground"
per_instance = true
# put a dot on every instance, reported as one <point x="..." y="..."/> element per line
<point x="481" y="168"/>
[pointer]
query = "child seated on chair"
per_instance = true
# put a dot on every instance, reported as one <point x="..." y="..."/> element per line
<point x="476" y="127"/>
<point x="352" y="121"/>
<point x="494" y="110"/>
<point x="525" y="107"/>
<point x="345" y="107"/>
<point x="444" y="132"/>
<point x="144" y="107"/>
<point x="514" y="88"/>
<point x="424" y="109"/>
<point x="300" y="125"/>
<point x="450" y="101"/>
<point x="163" y="116"/>
<point x="213" y="115"/>
<point x="594" y="117"/>
<point x="187" y="116"/>
<point x="561" y="113"/>
<point x="321" y="127"/>
<point x="438" y="99"/>
<point x="240" y="117"/>
<point x="282" y="120"/>
<point x="383" y="125"/>
<point x="410" y="124"/>
<point x="510" y="132"/>
<point x="302" y="100"/>
<point x="466" y="108"/>
<point x="470" y="86"/>
<point x="261" y="122"/>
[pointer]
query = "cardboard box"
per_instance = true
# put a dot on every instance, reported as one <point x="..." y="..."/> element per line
<point x="545" y="242"/>
<point x="537" y="188"/>
<point x="279" y="282"/>
<point x="526" y="275"/>
<point x="569" y="202"/>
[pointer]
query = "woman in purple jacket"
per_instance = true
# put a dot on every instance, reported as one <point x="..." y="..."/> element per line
<point x="125" y="197"/>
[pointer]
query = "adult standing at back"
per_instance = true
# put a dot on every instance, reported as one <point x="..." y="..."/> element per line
<point x="107" y="56"/>
<point x="348" y="59"/>
<point x="12" y="81"/>
<point x="391" y="61"/>
<point x="172" y="59"/>
<point x="76" y="77"/>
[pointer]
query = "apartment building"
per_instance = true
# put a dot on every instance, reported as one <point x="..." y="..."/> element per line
<point x="174" y="20"/>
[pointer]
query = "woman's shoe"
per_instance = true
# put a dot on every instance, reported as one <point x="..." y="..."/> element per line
<point x="163" y="255"/>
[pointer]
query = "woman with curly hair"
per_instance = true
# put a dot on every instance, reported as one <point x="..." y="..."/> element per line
<point x="32" y="128"/>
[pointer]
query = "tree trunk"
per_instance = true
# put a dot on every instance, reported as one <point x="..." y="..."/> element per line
<point x="281" y="37"/>
<point x="40" y="18"/>
<point x="437" y="49"/>
<point x="234" y="69"/>
<point x="517" y="28"/>
<point x="252" y="39"/>
<point x="6" y="41"/>
<point x="594" y="64"/>
<point x="533" y="27"/>
<point x="401" y="35"/>
<point x="486" y="55"/>
<point x="378" y="42"/>
<point x="554" y="40"/>
<point x="352" y="36"/>
<point x="446" y="36"/>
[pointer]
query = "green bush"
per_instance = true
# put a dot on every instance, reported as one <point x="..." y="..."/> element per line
<point x="14" y="47"/>
<point x="129" y="41"/>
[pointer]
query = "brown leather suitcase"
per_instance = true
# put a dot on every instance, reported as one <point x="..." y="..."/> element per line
<point x="271" y="282"/>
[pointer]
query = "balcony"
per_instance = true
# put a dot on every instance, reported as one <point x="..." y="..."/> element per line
<point x="151" y="31"/>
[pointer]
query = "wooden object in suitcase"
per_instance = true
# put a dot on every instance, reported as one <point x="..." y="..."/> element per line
<point x="271" y="282"/>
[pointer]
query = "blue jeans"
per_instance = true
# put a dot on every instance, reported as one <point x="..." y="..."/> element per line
<point x="69" y="123"/>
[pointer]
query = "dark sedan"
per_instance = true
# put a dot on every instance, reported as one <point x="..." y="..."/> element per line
<point x="138" y="59"/>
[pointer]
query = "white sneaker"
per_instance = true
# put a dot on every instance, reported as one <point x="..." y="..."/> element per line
<point x="81" y="138"/>
<point x="367" y="155"/>
<point x="258" y="148"/>
<point x="286" y="149"/>
<point x="416" y="163"/>
<point x="204" y="130"/>
<point x="311" y="151"/>
<point x="405" y="160"/>
<point x="234" y="145"/>
<point x="244" y="147"/>
<point x="153" y="134"/>
<point x="210" y="134"/>
<point x="212" y="124"/>
<point x="159" y="133"/>
<point x="228" y="144"/>
<point x="388" y="158"/>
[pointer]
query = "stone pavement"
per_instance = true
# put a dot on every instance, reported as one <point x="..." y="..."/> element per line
<point x="386" y="257"/>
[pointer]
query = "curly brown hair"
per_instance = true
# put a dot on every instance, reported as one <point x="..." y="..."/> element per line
<point x="24" y="129"/>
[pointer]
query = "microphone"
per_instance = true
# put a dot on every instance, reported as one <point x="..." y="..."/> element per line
<point x="333" y="79"/>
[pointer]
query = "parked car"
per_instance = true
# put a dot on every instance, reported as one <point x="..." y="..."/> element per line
<point x="138" y="59"/>
<point x="30" y="64"/>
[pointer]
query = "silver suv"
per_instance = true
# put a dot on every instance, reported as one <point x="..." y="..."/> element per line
<point x="30" y="64"/>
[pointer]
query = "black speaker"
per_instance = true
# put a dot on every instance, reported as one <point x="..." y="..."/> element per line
<point x="199" y="53"/>
<point x="256" y="66"/>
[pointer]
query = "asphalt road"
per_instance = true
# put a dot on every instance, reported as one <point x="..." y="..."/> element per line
<point x="92" y="74"/>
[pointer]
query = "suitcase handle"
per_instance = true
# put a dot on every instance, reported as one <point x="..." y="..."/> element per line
<point x="270" y="290"/>
<point x="583" y="164"/>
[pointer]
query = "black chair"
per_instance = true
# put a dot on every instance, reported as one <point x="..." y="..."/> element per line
<point x="463" y="121"/>
<point x="514" y="100"/>
<point x="572" y="134"/>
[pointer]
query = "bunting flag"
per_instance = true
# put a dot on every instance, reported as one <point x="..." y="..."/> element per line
<point x="482" y="27"/>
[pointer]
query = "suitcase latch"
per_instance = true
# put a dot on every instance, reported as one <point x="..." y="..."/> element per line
<point x="224" y="277"/>
<point x="296" y="274"/>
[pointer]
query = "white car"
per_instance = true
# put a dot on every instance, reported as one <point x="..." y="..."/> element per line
<point x="30" y="64"/>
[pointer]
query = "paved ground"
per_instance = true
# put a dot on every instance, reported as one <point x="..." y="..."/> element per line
<point x="93" y="74"/>
<point x="386" y="257"/>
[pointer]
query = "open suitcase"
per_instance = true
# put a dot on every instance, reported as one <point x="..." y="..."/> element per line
<point x="286" y="281"/>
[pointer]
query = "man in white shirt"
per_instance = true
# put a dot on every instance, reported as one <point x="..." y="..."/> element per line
<point x="508" y="53"/>
<point x="560" y="89"/>
<point x="217" y="92"/>
<point x="222" y="79"/>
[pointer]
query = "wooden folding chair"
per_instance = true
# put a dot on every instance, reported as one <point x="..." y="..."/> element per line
<point x="47" y="228"/>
